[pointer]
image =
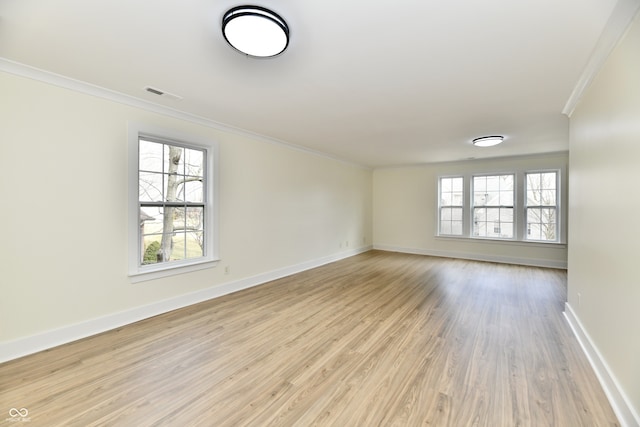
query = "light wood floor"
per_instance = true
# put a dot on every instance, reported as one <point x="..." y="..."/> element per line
<point x="379" y="339"/>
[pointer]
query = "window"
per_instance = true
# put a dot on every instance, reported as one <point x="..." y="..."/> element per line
<point x="493" y="206"/>
<point x="541" y="206"/>
<point x="451" y="205"/>
<point x="171" y="204"/>
<point x="518" y="205"/>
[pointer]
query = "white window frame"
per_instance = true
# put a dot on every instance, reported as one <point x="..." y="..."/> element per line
<point x="473" y="206"/>
<point x="520" y="206"/>
<point x="557" y="205"/>
<point x="137" y="271"/>
<point x="440" y="206"/>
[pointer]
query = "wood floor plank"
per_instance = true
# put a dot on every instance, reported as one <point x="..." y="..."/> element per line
<point x="377" y="339"/>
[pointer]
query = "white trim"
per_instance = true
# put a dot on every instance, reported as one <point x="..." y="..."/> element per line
<point x="32" y="344"/>
<point x="621" y="404"/>
<point x="54" y="79"/>
<point x="621" y="17"/>
<point x="533" y="262"/>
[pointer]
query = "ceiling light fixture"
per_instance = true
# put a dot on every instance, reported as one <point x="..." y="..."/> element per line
<point x="488" y="141"/>
<point x="255" y="31"/>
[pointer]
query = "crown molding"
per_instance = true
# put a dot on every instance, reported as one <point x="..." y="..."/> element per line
<point x="616" y="27"/>
<point x="27" y="71"/>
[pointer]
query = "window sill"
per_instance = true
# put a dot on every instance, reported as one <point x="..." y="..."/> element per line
<point x="527" y="243"/>
<point x="145" y="273"/>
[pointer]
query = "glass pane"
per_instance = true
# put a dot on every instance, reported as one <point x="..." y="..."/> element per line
<point x="193" y="161"/>
<point x="548" y="197"/>
<point x="445" y="199"/>
<point x="445" y="227"/>
<point x="506" y="229"/>
<point x="479" y="199"/>
<point x="150" y="249"/>
<point x="457" y="184"/>
<point x="150" y="187"/>
<point x="493" y="214"/>
<point x="493" y="183"/>
<point x="506" y="214"/>
<point x="445" y="185"/>
<point x="479" y="184"/>
<point x="194" y="219"/>
<point x="195" y="244"/>
<point x="533" y="197"/>
<point x="150" y="157"/>
<point x="178" y="246"/>
<point x="456" y="198"/>
<point x="173" y="160"/>
<point x="548" y="181"/>
<point x="151" y="220"/>
<point x="533" y="181"/>
<point x="506" y="198"/>
<point x="493" y="198"/>
<point x="456" y="228"/>
<point x="506" y="182"/>
<point x="456" y="214"/>
<point x="445" y="214"/>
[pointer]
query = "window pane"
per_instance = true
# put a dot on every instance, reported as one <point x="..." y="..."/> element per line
<point x="178" y="246"/>
<point x="457" y="184"/>
<point x="173" y="163"/>
<point x="493" y="214"/>
<point x="195" y="218"/>
<point x="192" y="192"/>
<point x="195" y="244"/>
<point x="193" y="161"/>
<point x="456" y="198"/>
<point x="445" y="214"/>
<point x="541" y="189"/>
<point x="456" y="214"/>
<point x="541" y="224"/>
<point x="456" y="228"/>
<point x="548" y="197"/>
<point x="445" y="227"/>
<point x="150" y="187"/>
<point x="506" y="198"/>
<point x="445" y="199"/>
<point x="493" y="183"/>
<point x="150" y="158"/>
<point x="446" y="185"/>
<point x="548" y="180"/>
<point x="506" y="214"/>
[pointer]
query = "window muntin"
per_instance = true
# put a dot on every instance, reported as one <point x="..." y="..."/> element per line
<point x="541" y="206"/>
<point x="493" y="206"/>
<point x="451" y="192"/>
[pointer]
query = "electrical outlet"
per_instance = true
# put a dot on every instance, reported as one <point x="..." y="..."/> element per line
<point x="227" y="269"/>
<point x="346" y="244"/>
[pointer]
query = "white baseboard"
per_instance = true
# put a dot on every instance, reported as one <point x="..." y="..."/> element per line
<point x="32" y="344"/>
<point x="621" y="405"/>
<point x="534" y="262"/>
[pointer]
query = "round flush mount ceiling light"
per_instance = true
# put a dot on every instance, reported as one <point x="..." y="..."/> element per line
<point x="488" y="141"/>
<point x="255" y="31"/>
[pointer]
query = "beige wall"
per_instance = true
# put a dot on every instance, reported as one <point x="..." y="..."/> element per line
<point x="63" y="181"/>
<point x="405" y="209"/>
<point x="604" y="206"/>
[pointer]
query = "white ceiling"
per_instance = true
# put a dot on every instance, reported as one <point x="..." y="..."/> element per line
<point x="379" y="83"/>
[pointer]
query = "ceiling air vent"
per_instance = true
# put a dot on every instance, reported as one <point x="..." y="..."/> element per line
<point x="161" y="92"/>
